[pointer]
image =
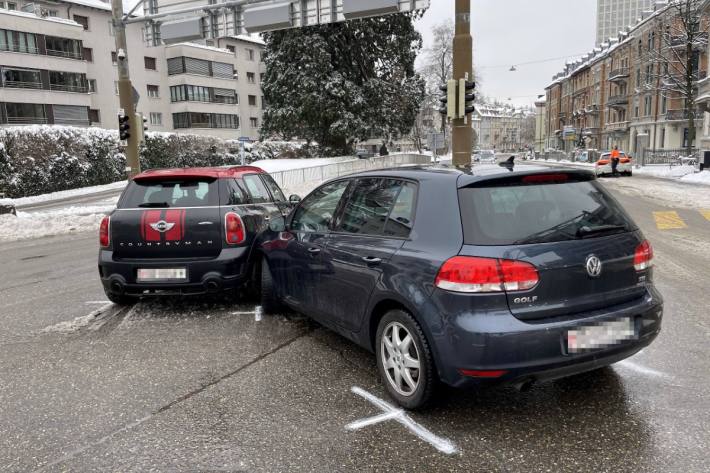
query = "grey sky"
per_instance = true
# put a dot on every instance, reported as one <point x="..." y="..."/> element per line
<point x="507" y="32"/>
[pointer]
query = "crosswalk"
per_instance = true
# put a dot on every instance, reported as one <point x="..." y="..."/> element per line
<point x="671" y="220"/>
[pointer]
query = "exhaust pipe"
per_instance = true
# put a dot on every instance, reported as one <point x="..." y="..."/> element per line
<point x="524" y="386"/>
<point x="212" y="285"/>
<point x="117" y="286"/>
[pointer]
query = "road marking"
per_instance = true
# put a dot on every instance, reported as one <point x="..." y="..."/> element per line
<point x="258" y="313"/>
<point x="392" y="413"/>
<point x="669" y="221"/>
<point x="706" y="214"/>
<point x="71" y="326"/>
<point x="642" y="369"/>
<point x="97" y="302"/>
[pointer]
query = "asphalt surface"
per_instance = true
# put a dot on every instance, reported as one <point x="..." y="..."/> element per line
<point x="210" y="385"/>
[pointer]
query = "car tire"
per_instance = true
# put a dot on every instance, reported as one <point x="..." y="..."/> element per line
<point x="120" y="299"/>
<point x="425" y="377"/>
<point x="270" y="302"/>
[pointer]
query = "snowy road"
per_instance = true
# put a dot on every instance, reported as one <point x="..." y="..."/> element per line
<point x="204" y="385"/>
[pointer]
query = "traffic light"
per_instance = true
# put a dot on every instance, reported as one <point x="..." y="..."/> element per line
<point x="142" y="128"/>
<point x="466" y="97"/>
<point x="124" y="127"/>
<point x="448" y="100"/>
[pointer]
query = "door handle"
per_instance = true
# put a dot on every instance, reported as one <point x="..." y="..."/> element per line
<point x="314" y="251"/>
<point x="267" y="218"/>
<point x="371" y="260"/>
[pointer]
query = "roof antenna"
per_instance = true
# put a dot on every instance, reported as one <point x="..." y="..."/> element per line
<point x="508" y="164"/>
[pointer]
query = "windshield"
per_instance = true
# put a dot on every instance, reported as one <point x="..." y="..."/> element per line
<point x="524" y="214"/>
<point x="173" y="193"/>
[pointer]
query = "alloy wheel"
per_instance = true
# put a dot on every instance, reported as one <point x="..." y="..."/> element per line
<point x="400" y="359"/>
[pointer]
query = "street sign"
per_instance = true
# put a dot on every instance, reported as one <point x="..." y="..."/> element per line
<point x="436" y="141"/>
<point x="175" y="18"/>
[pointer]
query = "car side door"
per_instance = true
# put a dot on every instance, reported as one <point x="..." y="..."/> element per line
<point x="298" y="269"/>
<point x="277" y="195"/>
<point x="374" y="223"/>
<point x="261" y="208"/>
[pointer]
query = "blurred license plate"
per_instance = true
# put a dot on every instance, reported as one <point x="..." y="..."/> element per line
<point x="162" y="274"/>
<point x="603" y="335"/>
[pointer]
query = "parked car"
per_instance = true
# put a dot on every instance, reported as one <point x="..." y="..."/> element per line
<point x="485" y="156"/>
<point x="187" y="231"/>
<point x="499" y="275"/>
<point x="586" y="155"/>
<point x="603" y="166"/>
<point x="363" y="153"/>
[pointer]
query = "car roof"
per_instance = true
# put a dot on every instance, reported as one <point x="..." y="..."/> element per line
<point x="479" y="173"/>
<point x="188" y="173"/>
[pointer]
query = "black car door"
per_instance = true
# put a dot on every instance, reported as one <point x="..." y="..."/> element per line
<point x="277" y="195"/>
<point x="299" y="269"/>
<point x="262" y="208"/>
<point x="375" y="222"/>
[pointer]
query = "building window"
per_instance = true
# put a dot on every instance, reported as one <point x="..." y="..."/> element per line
<point x="94" y="116"/>
<point x="63" y="47"/>
<point x="114" y="58"/>
<point x="251" y="77"/>
<point x="18" y="78"/>
<point x="11" y="6"/>
<point x="254" y="122"/>
<point x="664" y="104"/>
<point x="663" y="137"/>
<point x="261" y="77"/>
<point x="252" y="100"/>
<point x="156" y="119"/>
<point x="195" y="93"/>
<point x="153" y="91"/>
<point x="647" y="101"/>
<point x="83" y="21"/>
<point x="250" y="54"/>
<point x="68" y="82"/>
<point x="232" y="49"/>
<point x="150" y="63"/>
<point x="88" y="54"/>
<point x="25" y="113"/>
<point x="205" y="120"/>
<point x="92" y="86"/>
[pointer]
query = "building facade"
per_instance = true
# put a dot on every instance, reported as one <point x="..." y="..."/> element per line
<point x="58" y="66"/>
<point x="540" y="128"/>
<point x="616" y="15"/>
<point x="617" y="94"/>
<point x="501" y="128"/>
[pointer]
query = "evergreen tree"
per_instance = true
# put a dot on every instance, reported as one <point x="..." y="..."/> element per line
<point x="338" y="83"/>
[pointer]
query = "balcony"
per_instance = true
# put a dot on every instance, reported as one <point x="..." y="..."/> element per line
<point x="16" y="84"/>
<point x="80" y="89"/>
<point x="618" y="127"/>
<point x="681" y="41"/>
<point x="617" y="101"/>
<point x="680" y="115"/>
<point x="592" y="109"/>
<point x="680" y="78"/>
<point x="65" y="54"/>
<point x="619" y="74"/>
<point x="592" y="130"/>
<point x="26" y="120"/>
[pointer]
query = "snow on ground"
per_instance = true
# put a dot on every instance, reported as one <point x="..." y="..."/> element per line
<point x="38" y="199"/>
<point x="698" y="178"/>
<point x="665" y="171"/>
<point x="667" y="193"/>
<point x="278" y="165"/>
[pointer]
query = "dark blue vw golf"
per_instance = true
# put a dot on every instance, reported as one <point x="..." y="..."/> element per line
<point x="498" y="275"/>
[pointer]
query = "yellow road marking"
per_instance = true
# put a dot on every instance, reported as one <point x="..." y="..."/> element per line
<point x="706" y="214"/>
<point x="669" y="221"/>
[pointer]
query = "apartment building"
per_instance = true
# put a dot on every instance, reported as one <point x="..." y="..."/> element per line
<point x="58" y="66"/>
<point x="615" y="95"/>
<point x="500" y="127"/>
<point x="616" y="15"/>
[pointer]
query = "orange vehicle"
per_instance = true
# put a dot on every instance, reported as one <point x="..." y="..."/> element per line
<point x="603" y="165"/>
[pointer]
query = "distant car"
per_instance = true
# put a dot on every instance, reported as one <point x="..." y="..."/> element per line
<point x="362" y="153"/>
<point x="486" y="156"/>
<point x="603" y="165"/>
<point x="498" y="275"/>
<point x="187" y="231"/>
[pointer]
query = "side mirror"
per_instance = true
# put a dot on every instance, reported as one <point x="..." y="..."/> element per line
<point x="277" y="224"/>
<point x="294" y="199"/>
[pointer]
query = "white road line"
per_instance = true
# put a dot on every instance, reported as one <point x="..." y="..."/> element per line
<point x="642" y="369"/>
<point x="258" y="313"/>
<point x="392" y="413"/>
<point x="96" y="302"/>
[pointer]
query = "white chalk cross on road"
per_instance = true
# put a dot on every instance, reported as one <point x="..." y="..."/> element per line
<point x="389" y="412"/>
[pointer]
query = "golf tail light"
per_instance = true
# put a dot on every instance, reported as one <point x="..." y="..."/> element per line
<point x="105" y="232"/>
<point x="643" y="258"/>
<point x="470" y="274"/>
<point x="234" y="229"/>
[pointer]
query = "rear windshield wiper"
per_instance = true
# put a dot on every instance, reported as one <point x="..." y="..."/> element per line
<point x="589" y="231"/>
<point x="154" y="205"/>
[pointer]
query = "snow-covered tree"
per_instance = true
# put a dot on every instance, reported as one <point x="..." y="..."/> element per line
<point x="337" y="83"/>
<point x="438" y="63"/>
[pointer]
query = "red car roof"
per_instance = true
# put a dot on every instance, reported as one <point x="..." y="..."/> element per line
<point x="183" y="173"/>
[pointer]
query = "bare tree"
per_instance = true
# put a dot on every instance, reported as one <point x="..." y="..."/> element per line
<point x="438" y="62"/>
<point x="675" y="61"/>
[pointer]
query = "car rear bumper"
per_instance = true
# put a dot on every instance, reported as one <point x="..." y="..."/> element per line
<point x="228" y="271"/>
<point x="537" y="351"/>
<point x="606" y="169"/>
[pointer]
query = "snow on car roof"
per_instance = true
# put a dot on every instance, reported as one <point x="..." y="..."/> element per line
<point x="186" y="173"/>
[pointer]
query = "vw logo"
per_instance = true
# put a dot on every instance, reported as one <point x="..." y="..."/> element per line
<point x="162" y="226"/>
<point x="594" y="266"/>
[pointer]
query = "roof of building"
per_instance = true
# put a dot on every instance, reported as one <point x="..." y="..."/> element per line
<point x="191" y="173"/>
<point x="249" y="39"/>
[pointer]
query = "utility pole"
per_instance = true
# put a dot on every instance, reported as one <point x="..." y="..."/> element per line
<point x="462" y="132"/>
<point x="125" y="90"/>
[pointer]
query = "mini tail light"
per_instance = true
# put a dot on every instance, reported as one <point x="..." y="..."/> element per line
<point x="484" y="275"/>
<point x="643" y="258"/>
<point x="105" y="232"/>
<point x="234" y="230"/>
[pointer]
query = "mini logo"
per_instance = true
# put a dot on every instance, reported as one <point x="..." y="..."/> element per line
<point x="594" y="266"/>
<point x="162" y="226"/>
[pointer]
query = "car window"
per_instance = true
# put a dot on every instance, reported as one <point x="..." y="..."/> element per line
<point x="316" y="212"/>
<point x="369" y="206"/>
<point x="233" y="193"/>
<point x="173" y="193"/>
<point x="523" y="214"/>
<point x="274" y="188"/>
<point x="256" y="189"/>
<point x="399" y="223"/>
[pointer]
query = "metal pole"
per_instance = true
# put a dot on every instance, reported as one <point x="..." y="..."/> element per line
<point x="125" y="90"/>
<point x="462" y="133"/>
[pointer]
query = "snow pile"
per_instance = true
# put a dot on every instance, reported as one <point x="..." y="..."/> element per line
<point x="665" y="171"/>
<point x="698" y="178"/>
<point x="57" y="222"/>
<point x="53" y="196"/>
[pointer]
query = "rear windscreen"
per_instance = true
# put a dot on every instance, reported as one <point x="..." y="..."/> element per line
<point x="171" y="193"/>
<point x="524" y="214"/>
